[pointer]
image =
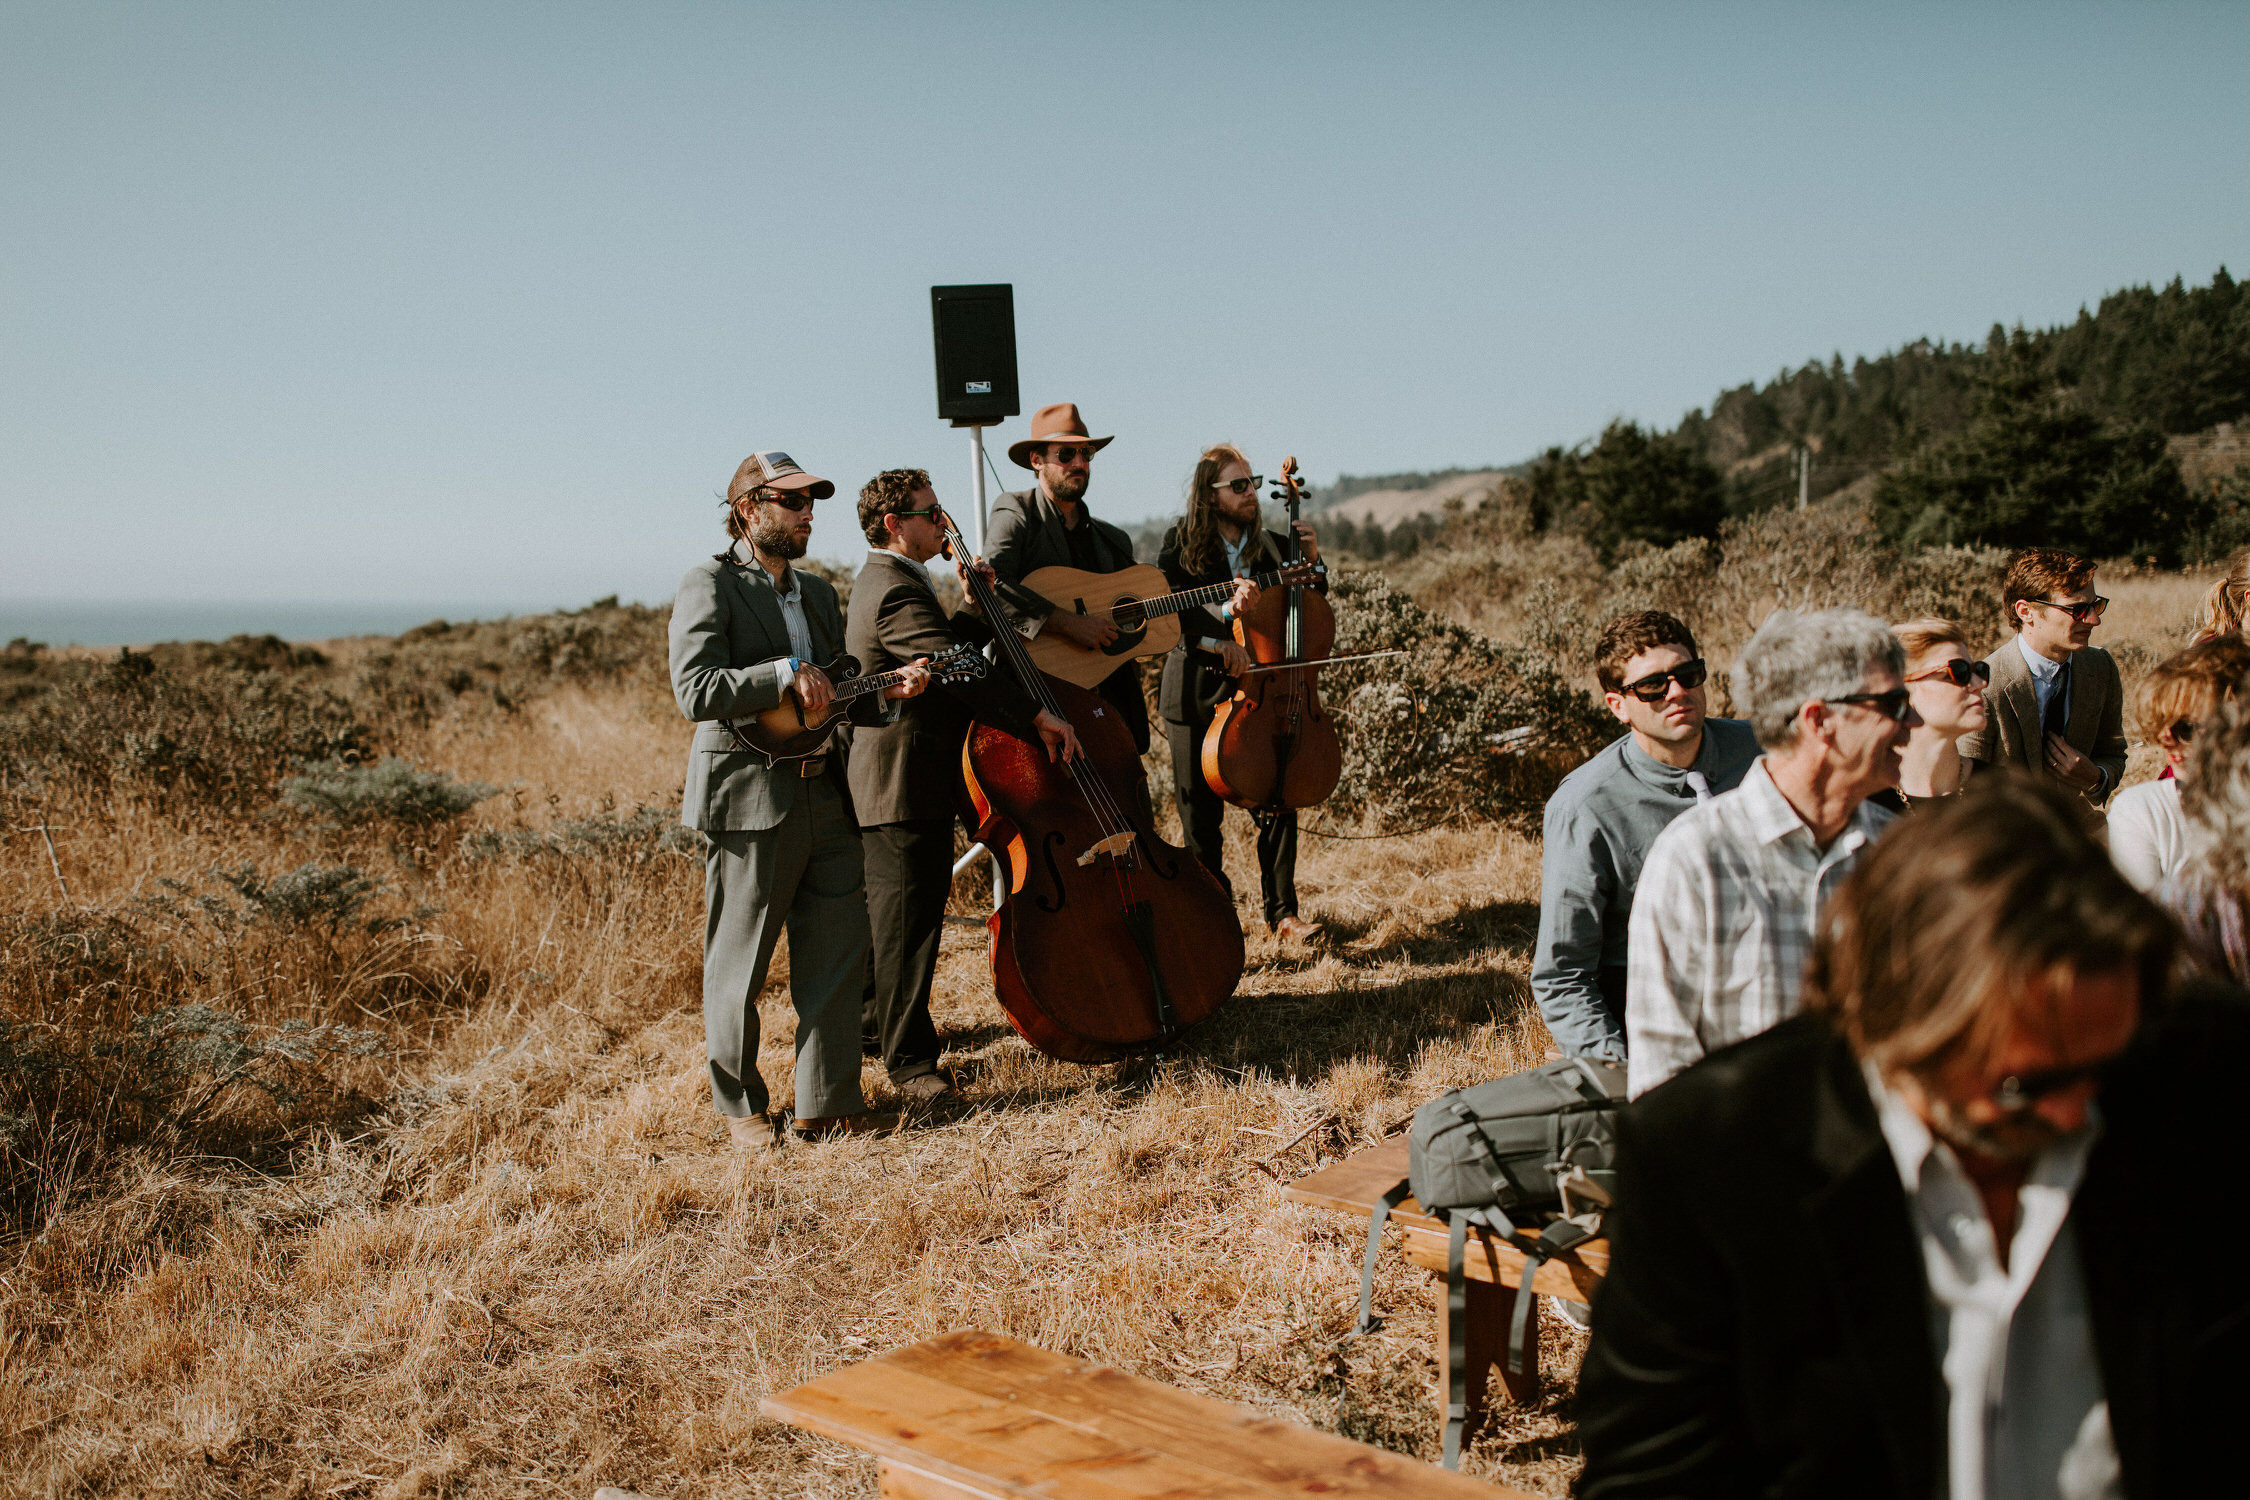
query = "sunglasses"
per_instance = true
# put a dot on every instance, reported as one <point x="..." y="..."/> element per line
<point x="1066" y="454"/>
<point x="1653" y="687"/>
<point x="2020" y="1091"/>
<point x="1960" y="672"/>
<point x="1242" y="486"/>
<point x="1894" y="705"/>
<point x="907" y="515"/>
<point x="2085" y="609"/>
<point x="786" y="499"/>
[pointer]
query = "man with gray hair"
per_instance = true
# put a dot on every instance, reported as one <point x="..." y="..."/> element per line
<point x="1728" y="900"/>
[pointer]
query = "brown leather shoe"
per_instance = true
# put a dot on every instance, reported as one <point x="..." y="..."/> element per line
<point x="922" y="1088"/>
<point x="830" y="1127"/>
<point x="1294" y="929"/>
<point x="752" y="1132"/>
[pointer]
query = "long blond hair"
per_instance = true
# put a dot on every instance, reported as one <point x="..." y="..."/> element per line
<point x="2223" y="606"/>
<point x="1200" y="544"/>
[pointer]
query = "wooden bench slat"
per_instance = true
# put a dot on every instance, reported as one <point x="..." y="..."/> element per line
<point x="991" y="1416"/>
<point x="1278" y="1454"/>
<point x="1357" y="1183"/>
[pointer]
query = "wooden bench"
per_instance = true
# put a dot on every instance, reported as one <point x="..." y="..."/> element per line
<point x="1493" y="1267"/>
<point x="975" y="1414"/>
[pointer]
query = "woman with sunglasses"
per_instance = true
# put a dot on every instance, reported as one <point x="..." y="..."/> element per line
<point x="2149" y="836"/>
<point x="1946" y="685"/>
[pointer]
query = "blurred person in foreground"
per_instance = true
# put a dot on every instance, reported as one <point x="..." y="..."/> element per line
<point x="1728" y="899"/>
<point x="2210" y="892"/>
<point x="2057" y="704"/>
<point x="1911" y="1242"/>
<point x="1603" y="818"/>
<point x="782" y="845"/>
<point x="2149" y="835"/>
<point x="1947" y="686"/>
<point x="2223" y="607"/>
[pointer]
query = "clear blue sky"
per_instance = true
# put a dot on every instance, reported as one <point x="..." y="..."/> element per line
<point x="485" y="302"/>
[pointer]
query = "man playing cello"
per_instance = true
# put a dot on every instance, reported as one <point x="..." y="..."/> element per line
<point x="1221" y="537"/>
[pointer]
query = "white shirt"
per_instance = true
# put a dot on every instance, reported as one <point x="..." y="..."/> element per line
<point x="1722" y="921"/>
<point x="2149" y="837"/>
<point x="2025" y="1412"/>
<point x="921" y="570"/>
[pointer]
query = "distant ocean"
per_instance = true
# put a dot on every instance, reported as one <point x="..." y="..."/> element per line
<point x="60" y="622"/>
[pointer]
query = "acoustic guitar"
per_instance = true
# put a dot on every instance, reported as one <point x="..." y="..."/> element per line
<point x="783" y="733"/>
<point x="1138" y="602"/>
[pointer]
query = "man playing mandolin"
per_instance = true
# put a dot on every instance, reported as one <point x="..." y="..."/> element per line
<point x="1220" y="537"/>
<point x="906" y="775"/>
<point x="783" y="846"/>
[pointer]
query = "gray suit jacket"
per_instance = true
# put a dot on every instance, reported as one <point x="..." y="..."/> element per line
<point x="911" y="768"/>
<point x="1026" y="533"/>
<point x="2011" y="736"/>
<point x="727" y="632"/>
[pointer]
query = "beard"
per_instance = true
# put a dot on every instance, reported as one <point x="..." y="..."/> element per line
<point x="1069" y="485"/>
<point x="777" y="539"/>
<point x="2012" y="1138"/>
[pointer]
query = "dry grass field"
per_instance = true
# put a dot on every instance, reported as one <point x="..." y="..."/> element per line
<point x="481" y="1235"/>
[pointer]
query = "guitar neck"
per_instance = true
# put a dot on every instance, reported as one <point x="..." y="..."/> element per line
<point x="1210" y="593"/>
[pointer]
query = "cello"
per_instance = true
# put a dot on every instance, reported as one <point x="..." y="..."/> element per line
<point x="1107" y="939"/>
<point x="1272" y="745"/>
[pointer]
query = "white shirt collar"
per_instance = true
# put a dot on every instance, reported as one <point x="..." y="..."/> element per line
<point x="921" y="570"/>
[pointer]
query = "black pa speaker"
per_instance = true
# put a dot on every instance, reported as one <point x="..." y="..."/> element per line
<point x="975" y="332"/>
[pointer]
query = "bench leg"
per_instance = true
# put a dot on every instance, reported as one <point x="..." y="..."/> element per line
<point x="1490" y="1305"/>
<point x="895" y="1483"/>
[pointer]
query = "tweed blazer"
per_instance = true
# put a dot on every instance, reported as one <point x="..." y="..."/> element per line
<point x="911" y="768"/>
<point x="727" y="631"/>
<point x="2011" y="736"/>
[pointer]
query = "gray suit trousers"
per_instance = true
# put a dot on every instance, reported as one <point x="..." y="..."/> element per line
<point x="804" y="873"/>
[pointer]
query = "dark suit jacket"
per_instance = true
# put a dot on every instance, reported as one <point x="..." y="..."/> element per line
<point x="1193" y="683"/>
<point x="912" y="768"/>
<point x="1026" y="533"/>
<point x="1765" y="1328"/>
<point x="726" y="631"/>
<point x="2096" y="728"/>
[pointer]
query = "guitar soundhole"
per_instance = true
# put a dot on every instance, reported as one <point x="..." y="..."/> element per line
<point x="1132" y="626"/>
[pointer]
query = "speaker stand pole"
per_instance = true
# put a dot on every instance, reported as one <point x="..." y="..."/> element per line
<point x="976" y="483"/>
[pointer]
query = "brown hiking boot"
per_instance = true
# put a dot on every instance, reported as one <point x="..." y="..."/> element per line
<point x="752" y="1132"/>
<point x="830" y="1127"/>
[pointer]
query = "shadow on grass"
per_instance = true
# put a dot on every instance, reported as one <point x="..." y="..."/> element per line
<point x="1475" y="929"/>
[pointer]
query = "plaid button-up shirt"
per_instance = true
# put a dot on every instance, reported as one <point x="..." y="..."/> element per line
<point x="1722" y="922"/>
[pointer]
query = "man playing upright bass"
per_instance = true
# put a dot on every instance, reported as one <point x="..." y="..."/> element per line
<point x="906" y="775"/>
<point x="1220" y="537"/>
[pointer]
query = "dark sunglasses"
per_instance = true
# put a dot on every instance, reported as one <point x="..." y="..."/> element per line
<point x="1893" y="705"/>
<point x="904" y="515"/>
<point x="2085" y="609"/>
<point x="1653" y="687"/>
<point x="1960" y="672"/>
<point x="1065" y="454"/>
<point x="1242" y="486"/>
<point x="786" y="499"/>
<point x="2020" y="1091"/>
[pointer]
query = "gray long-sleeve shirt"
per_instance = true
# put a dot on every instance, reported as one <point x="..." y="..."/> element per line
<point x="1600" y="823"/>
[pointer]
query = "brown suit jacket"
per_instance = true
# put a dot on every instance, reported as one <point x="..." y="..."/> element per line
<point x="911" y="768"/>
<point x="2096" y="728"/>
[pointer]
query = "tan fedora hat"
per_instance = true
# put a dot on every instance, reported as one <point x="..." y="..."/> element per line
<point x="772" y="469"/>
<point x="1059" y="423"/>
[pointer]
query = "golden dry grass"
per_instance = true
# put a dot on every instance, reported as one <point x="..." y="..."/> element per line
<point x="540" y="1269"/>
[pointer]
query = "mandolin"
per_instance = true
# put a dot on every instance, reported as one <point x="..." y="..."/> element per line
<point x="782" y="733"/>
<point x="1136" y="600"/>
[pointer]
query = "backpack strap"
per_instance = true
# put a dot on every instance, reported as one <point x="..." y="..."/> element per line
<point x="1368" y="1322"/>
<point x="1557" y="1238"/>
<point x="1456" y="1339"/>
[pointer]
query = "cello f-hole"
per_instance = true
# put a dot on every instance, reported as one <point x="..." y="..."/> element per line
<point x="1054" y="873"/>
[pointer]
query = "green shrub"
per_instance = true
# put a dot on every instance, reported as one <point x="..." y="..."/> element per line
<point x="639" y="836"/>
<point x="389" y="791"/>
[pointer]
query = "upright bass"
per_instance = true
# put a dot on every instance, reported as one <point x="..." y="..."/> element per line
<point x="1273" y="745"/>
<point x="1108" y="938"/>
